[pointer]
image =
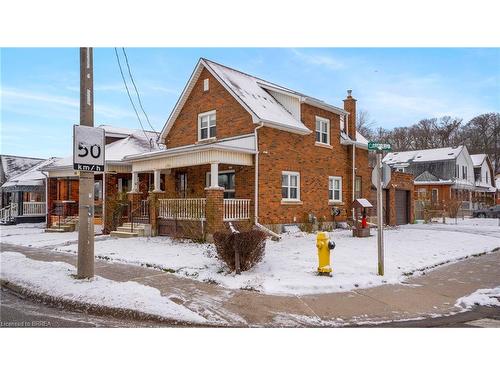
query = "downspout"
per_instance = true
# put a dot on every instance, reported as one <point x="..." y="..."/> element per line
<point x="353" y="176"/>
<point x="46" y="197"/>
<point x="256" y="188"/>
<point x="256" y="197"/>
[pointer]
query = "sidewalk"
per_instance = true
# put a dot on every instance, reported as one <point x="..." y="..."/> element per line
<point x="431" y="294"/>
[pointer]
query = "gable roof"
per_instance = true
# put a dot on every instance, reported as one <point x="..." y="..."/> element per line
<point x="433" y="154"/>
<point x="31" y="177"/>
<point x="12" y="165"/>
<point x="478" y="159"/>
<point x="254" y="94"/>
<point x="426" y="176"/>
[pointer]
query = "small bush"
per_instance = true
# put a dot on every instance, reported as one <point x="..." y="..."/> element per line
<point x="251" y="245"/>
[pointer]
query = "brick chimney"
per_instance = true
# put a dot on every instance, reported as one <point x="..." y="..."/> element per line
<point x="350" y="106"/>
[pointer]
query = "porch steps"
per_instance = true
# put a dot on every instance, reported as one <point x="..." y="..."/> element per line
<point x="63" y="228"/>
<point x="124" y="231"/>
<point x="122" y="234"/>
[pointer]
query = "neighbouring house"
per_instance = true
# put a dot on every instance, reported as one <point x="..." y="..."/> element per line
<point x="242" y="148"/>
<point x="63" y="181"/>
<point x="11" y="166"/>
<point x="441" y="175"/>
<point x="26" y="194"/>
<point x="485" y="191"/>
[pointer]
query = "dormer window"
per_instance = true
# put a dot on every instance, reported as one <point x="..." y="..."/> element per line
<point x="207" y="125"/>
<point x="322" y="130"/>
<point x="342" y="123"/>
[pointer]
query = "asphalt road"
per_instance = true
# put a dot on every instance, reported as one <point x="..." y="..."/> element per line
<point x="17" y="311"/>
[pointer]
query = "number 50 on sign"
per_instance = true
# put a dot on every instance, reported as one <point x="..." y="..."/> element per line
<point x="88" y="148"/>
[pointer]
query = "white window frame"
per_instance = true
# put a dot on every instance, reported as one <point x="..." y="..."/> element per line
<point x="206" y="84"/>
<point x="331" y="181"/>
<point x="207" y="114"/>
<point x="342" y="123"/>
<point x="289" y="174"/>
<point x="322" y="121"/>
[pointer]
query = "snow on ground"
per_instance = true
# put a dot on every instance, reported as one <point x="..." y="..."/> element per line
<point x="41" y="277"/>
<point x="481" y="297"/>
<point x="289" y="265"/>
<point x="34" y="235"/>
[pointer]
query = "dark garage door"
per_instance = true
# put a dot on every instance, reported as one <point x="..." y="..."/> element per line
<point x="401" y="207"/>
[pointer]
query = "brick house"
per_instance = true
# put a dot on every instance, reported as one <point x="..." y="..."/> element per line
<point x="242" y="148"/>
<point x="62" y="181"/>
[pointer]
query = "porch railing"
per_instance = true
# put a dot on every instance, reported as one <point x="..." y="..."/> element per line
<point x="33" y="208"/>
<point x="182" y="209"/>
<point x="8" y="213"/>
<point x="236" y="209"/>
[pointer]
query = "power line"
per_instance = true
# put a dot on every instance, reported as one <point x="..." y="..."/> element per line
<point x="137" y="91"/>
<point x="128" y="93"/>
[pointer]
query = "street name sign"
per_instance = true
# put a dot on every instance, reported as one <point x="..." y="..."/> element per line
<point x="88" y="148"/>
<point x="374" y="146"/>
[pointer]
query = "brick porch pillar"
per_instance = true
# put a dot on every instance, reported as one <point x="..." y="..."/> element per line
<point x="154" y="206"/>
<point x="214" y="211"/>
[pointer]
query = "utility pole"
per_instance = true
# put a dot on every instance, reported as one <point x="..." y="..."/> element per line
<point x="86" y="191"/>
<point x="380" y="223"/>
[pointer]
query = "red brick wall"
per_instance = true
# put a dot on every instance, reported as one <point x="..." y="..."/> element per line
<point x="279" y="151"/>
<point x="232" y="118"/>
<point x="444" y="192"/>
<point x="284" y="151"/>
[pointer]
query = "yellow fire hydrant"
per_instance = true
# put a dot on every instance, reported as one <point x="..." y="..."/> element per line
<point x="324" y="246"/>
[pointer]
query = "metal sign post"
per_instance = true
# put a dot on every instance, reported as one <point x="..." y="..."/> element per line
<point x="380" y="223"/>
<point x="85" y="266"/>
<point x="379" y="177"/>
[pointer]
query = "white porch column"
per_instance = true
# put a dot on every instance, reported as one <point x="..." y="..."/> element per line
<point x="135" y="182"/>
<point x="214" y="175"/>
<point x="157" y="180"/>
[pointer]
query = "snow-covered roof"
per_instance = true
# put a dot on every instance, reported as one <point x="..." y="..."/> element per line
<point x="433" y="154"/>
<point x="138" y="142"/>
<point x="113" y="131"/>
<point x="244" y="144"/>
<point x="250" y="91"/>
<point x="478" y="159"/>
<point x="12" y="165"/>
<point x="31" y="177"/>
<point x="256" y="95"/>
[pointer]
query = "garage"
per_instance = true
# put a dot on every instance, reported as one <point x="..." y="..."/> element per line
<point x="402" y="214"/>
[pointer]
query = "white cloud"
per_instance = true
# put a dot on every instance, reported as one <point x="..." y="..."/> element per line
<point x="317" y="59"/>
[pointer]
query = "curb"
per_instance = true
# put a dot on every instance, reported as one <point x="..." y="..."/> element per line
<point x="90" y="308"/>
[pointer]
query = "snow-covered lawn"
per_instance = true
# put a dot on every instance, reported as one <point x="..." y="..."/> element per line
<point x="481" y="297"/>
<point x="289" y="265"/>
<point x="41" y="277"/>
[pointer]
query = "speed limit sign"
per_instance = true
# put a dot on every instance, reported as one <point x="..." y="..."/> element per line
<point x="88" y="148"/>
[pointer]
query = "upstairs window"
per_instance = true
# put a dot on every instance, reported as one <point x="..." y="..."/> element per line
<point x="322" y="130"/>
<point x="342" y="123"/>
<point x="464" y="172"/>
<point x="290" y="186"/>
<point x="335" y="189"/>
<point x="207" y="125"/>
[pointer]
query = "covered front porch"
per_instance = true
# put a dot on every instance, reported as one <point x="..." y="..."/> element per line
<point x="196" y="189"/>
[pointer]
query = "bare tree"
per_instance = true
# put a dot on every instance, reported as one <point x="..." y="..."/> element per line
<point x="365" y="124"/>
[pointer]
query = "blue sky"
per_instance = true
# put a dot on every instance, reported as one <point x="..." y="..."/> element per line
<point x="398" y="87"/>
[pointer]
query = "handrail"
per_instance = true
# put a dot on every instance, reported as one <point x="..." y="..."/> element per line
<point x="236" y="209"/>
